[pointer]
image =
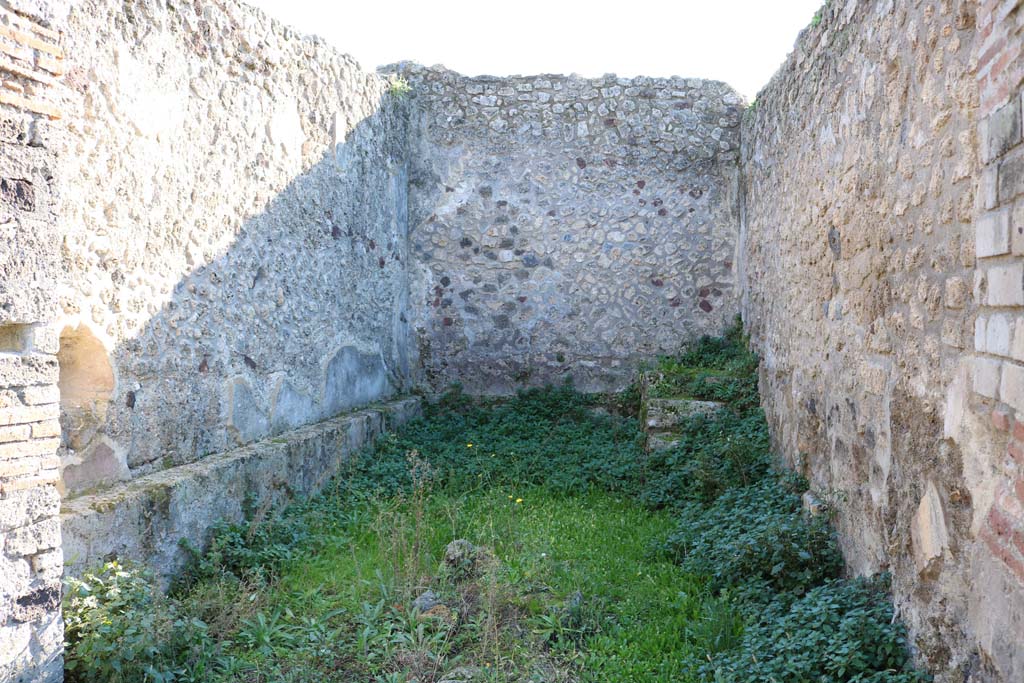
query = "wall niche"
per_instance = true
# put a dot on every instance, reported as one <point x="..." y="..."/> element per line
<point x="86" y="385"/>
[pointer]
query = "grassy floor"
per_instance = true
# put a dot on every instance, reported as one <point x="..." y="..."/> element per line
<point x="638" y="613"/>
<point x="582" y="559"/>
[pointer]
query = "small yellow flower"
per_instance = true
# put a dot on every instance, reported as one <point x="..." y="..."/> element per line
<point x="469" y="445"/>
<point x="519" y="500"/>
<point x="510" y="497"/>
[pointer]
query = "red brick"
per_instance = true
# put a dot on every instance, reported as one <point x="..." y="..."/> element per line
<point x="45" y="478"/>
<point x="1018" y="430"/>
<point x="987" y="11"/>
<point x="1001" y="419"/>
<point x="1016" y="451"/>
<point x="51" y="64"/>
<point x="998" y="522"/>
<point x="29" y="25"/>
<point x="1018" y="541"/>
<point x="1007" y="556"/>
<point x="991" y="51"/>
<point x="985" y="26"/>
<point x="30" y="41"/>
<point x="993" y="97"/>
<point x="1018" y="486"/>
<point x="31" y="104"/>
<point x="1000" y="63"/>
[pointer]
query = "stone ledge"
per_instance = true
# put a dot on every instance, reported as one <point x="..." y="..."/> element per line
<point x="662" y="441"/>
<point x="668" y="413"/>
<point x="145" y="519"/>
<point x="664" y="416"/>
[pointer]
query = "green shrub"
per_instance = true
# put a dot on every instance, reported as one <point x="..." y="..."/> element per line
<point x="739" y="393"/>
<point x="398" y="86"/>
<point x="118" y="627"/>
<point x="716" y="453"/>
<point x="761" y="599"/>
<point x="551" y="437"/>
<point x="841" y="632"/>
<point x="756" y="534"/>
<point x="252" y="550"/>
<point x="729" y="353"/>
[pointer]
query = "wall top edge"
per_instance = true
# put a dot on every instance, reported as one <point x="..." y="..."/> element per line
<point x="412" y="68"/>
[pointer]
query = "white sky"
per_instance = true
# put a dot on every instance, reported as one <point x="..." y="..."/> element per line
<point x="741" y="42"/>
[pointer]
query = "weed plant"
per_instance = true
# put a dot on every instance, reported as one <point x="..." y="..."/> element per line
<point x="591" y="560"/>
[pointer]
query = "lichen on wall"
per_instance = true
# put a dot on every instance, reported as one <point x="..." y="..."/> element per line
<point x="234" y="232"/>
<point x="565" y="227"/>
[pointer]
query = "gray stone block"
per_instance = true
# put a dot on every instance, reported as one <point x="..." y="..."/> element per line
<point x="1001" y="131"/>
<point x="1011" y="178"/>
<point x="661" y="441"/>
<point x="665" y="413"/>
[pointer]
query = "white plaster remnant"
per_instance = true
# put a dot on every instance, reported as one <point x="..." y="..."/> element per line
<point x="930" y="537"/>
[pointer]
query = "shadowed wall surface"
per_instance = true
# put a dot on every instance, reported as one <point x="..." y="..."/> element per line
<point x="234" y="232"/>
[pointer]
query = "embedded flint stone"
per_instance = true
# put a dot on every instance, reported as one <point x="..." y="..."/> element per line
<point x="812" y="505"/>
<point x="929" y="534"/>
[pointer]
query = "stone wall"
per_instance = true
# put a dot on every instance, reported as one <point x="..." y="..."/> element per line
<point x="862" y="283"/>
<point x="234" y="235"/>
<point x="31" y="629"/>
<point x="219" y="231"/>
<point x="564" y="226"/>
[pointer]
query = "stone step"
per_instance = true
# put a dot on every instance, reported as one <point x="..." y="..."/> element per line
<point x="666" y="413"/>
<point x="652" y="380"/>
<point x="662" y="441"/>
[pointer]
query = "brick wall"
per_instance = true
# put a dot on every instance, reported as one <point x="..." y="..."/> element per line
<point x="998" y="377"/>
<point x="31" y="629"/>
<point x="31" y="562"/>
<point x="1000" y="53"/>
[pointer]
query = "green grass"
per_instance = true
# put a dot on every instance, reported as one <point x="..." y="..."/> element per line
<point x="643" y="616"/>
<point x="550" y="546"/>
<point x="593" y="562"/>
